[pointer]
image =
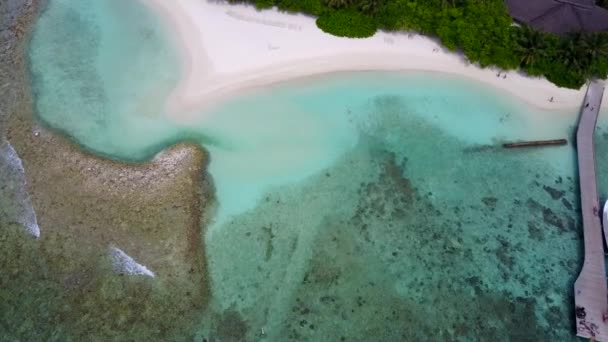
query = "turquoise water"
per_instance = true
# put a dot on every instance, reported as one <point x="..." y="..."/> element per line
<point x="102" y="70"/>
<point x="421" y="230"/>
<point x="355" y="207"/>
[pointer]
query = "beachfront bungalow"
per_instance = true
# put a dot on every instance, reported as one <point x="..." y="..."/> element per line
<point x="560" y="16"/>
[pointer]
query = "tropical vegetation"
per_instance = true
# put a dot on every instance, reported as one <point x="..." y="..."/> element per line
<point x="480" y="29"/>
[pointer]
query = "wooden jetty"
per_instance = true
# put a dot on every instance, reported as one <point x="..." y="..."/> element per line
<point x="535" y="143"/>
<point x="590" y="288"/>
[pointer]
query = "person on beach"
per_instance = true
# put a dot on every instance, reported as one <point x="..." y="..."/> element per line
<point x="551" y="99"/>
<point x="587" y="105"/>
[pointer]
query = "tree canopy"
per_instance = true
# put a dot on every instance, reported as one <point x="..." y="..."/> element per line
<point x="481" y="29"/>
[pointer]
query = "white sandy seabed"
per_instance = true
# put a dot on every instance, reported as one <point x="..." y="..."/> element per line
<point x="230" y="48"/>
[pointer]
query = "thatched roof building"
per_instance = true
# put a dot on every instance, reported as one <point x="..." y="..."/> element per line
<point x="560" y="16"/>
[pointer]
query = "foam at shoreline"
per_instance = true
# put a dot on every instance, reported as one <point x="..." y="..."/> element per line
<point x="15" y="204"/>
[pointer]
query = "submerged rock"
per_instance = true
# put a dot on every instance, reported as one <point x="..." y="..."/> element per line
<point x="555" y="193"/>
<point x="232" y="327"/>
<point x="490" y="201"/>
<point x="567" y="204"/>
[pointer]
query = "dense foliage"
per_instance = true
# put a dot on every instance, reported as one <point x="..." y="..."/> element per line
<point x="347" y="24"/>
<point x="481" y="29"/>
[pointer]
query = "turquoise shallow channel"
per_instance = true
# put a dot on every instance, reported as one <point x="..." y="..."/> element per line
<point x="350" y="207"/>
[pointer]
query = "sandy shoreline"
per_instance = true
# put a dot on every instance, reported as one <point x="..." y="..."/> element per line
<point x="230" y="48"/>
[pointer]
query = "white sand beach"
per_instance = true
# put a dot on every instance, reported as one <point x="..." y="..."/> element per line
<point x="229" y="48"/>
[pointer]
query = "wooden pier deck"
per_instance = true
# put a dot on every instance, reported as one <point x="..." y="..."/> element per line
<point x="590" y="289"/>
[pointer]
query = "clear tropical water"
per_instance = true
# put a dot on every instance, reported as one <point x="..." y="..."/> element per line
<point x="355" y="207"/>
<point x="102" y="69"/>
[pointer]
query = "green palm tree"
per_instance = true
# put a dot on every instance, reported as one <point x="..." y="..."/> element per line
<point x="595" y="46"/>
<point x="369" y="6"/>
<point x="573" y="51"/>
<point x="532" y="46"/>
<point x="448" y="3"/>
<point x="337" y="3"/>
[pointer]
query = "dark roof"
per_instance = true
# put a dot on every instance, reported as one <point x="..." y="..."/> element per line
<point x="560" y="16"/>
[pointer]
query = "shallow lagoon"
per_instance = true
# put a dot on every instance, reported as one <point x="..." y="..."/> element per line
<point x="366" y="206"/>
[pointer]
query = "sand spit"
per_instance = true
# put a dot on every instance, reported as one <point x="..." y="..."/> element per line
<point x="229" y="48"/>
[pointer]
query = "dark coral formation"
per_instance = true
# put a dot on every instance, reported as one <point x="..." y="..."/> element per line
<point x="396" y="260"/>
<point x="231" y="327"/>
